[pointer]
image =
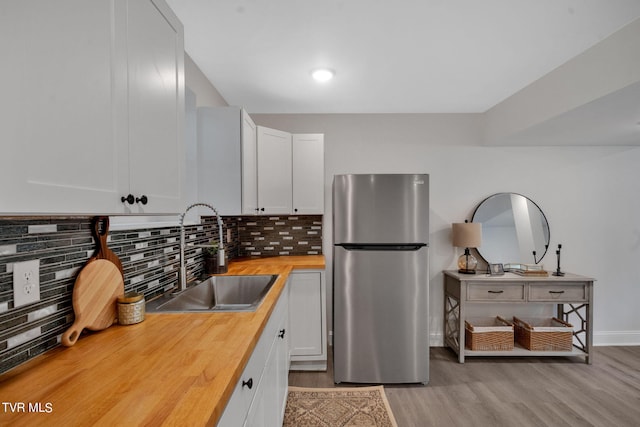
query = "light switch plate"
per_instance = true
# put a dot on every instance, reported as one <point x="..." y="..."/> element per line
<point x="26" y="282"/>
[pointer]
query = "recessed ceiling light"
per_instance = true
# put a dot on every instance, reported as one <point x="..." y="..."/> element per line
<point x="322" y="74"/>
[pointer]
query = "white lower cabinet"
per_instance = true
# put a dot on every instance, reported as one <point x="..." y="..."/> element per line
<point x="260" y="396"/>
<point x="307" y="320"/>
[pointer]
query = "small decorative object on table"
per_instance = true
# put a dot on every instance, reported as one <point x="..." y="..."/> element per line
<point x="558" y="272"/>
<point x="536" y="270"/>
<point x="496" y="269"/>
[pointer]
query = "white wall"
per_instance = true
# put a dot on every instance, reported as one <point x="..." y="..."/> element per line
<point x="590" y="195"/>
<point x="564" y="104"/>
<point x="206" y="94"/>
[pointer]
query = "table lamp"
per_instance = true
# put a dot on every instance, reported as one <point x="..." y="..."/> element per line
<point x="467" y="235"/>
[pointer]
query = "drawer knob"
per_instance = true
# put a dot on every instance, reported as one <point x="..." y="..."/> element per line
<point x="496" y="292"/>
<point x="248" y="383"/>
<point x="142" y="199"/>
<point x="129" y="199"/>
<point x="281" y="333"/>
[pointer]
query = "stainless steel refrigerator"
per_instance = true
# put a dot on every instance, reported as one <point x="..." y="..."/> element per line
<point x="380" y="278"/>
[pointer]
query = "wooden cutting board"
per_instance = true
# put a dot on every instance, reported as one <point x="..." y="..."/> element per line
<point x="97" y="288"/>
<point x="94" y="299"/>
<point x="100" y="232"/>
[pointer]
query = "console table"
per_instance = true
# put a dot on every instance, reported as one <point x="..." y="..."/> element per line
<point x="571" y="294"/>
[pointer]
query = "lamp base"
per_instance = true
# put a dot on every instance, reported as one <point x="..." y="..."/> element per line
<point x="467" y="263"/>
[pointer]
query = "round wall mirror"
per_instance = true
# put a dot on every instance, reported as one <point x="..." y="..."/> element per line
<point x="513" y="229"/>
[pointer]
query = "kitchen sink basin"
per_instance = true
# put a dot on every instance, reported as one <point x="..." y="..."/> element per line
<point x="217" y="293"/>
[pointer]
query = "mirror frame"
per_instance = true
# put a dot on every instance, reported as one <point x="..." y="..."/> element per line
<point x="544" y="217"/>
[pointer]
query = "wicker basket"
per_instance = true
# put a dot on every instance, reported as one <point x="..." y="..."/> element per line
<point x="544" y="334"/>
<point x="487" y="334"/>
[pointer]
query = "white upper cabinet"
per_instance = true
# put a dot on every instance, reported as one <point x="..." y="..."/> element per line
<point x="308" y="174"/>
<point x="92" y="107"/>
<point x="155" y="61"/>
<point x="290" y="174"/>
<point x="249" y="166"/>
<point x="248" y="169"/>
<point x="274" y="171"/>
<point x="224" y="134"/>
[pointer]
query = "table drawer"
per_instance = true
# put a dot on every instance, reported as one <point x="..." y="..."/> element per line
<point x="496" y="292"/>
<point x="558" y="292"/>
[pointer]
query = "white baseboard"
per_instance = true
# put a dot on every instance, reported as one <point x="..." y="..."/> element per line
<point x="313" y="365"/>
<point x="436" y="339"/>
<point x="603" y="338"/>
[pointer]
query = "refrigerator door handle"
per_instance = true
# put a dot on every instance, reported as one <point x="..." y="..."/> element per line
<point x="382" y="247"/>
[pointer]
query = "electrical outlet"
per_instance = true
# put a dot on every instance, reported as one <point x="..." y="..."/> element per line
<point x="26" y="282"/>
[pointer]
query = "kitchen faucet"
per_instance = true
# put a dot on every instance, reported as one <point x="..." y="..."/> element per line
<point x="221" y="256"/>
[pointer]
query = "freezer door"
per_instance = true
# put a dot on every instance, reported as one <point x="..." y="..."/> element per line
<point x="381" y="319"/>
<point x="386" y="208"/>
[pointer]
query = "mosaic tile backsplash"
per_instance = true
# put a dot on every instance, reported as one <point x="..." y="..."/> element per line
<point x="286" y="235"/>
<point x="150" y="261"/>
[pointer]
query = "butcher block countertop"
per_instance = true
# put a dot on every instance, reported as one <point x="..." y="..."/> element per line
<point x="172" y="369"/>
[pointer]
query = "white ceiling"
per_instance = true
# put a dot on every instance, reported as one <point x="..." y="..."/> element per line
<point x="407" y="56"/>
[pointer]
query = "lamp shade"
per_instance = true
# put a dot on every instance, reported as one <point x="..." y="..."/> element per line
<point x="467" y="234"/>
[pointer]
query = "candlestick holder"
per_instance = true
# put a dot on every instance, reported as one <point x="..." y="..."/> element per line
<point x="558" y="272"/>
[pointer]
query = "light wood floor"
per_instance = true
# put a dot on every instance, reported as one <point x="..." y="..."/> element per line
<point x="515" y="391"/>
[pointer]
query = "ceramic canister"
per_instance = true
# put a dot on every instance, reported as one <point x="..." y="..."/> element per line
<point x="130" y="308"/>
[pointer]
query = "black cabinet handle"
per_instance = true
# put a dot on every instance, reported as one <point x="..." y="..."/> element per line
<point x="295" y="210"/>
<point x="262" y="209"/>
<point x="281" y="334"/>
<point x="495" y="292"/>
<point x="248" y="383"/>
<point x="129" y="199"/>
<point x="142" y="199"/>
<point x="556" y="292"/>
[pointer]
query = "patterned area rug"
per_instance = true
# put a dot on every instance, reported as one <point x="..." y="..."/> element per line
<point x="338" y="407"/>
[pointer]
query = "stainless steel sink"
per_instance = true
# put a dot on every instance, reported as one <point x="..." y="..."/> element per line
<point x="217" y="293"/>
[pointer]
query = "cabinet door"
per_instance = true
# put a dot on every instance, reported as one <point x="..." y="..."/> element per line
<point x="93" y="105"/>
<point x="59" y="125"/>
<point x="259" y="411"/>
<point x="219" y="158"/>
<point x="249" y="166"/>
<point x="155" y="59"/>
<point x="274" y="171"/>
<point x="274" y="381"/>
<point x="281" y="362"/>
<point x="267" y="407"/>
<point x="308" y="174"/>
<point x="306" y="318"/>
